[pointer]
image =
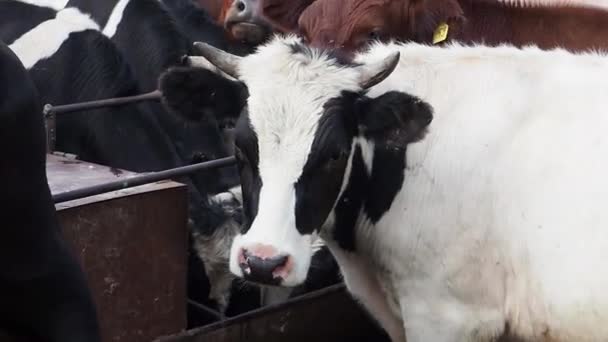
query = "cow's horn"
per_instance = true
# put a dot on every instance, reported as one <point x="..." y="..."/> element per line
<point x="223" y="60"/>
<point x="374" y="73"/>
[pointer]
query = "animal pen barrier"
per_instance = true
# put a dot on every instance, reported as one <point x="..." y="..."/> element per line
<point x="334" y="315"/>
<point x="50" y="113"/>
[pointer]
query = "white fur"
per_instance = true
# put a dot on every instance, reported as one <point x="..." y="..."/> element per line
<point x="44" y="40"/>
<point x="115" y="18"/>
<point x="501" y="218"/>
<point x="54" y="4"/>
<point x="583" y="3"/>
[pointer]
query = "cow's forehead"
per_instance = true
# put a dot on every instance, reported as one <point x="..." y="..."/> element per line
<point x="286" y="62"/>
<point x="289" y="86"/>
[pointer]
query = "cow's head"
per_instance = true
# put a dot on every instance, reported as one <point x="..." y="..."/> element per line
<point x="244" y="21"/>
<point x="353" y="24"/>
<point x="306" y="118"/>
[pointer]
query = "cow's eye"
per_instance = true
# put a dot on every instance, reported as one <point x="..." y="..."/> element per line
<point x="374" y="34"/>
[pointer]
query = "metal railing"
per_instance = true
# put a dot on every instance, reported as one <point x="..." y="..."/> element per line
<point x="50" y="113"/>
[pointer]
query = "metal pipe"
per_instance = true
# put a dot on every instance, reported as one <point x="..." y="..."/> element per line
<point x="117" y="101"/>
<point x="140" y="180"/>
<point x="216" y="314"/>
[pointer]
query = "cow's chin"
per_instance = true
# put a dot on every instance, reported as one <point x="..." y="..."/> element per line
<point x="249" y="32"/>
<point x="300" y="259"/>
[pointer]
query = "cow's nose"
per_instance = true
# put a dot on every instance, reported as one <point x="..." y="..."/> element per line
<point x="241" y="6"/>
<point x="260" y="266"/>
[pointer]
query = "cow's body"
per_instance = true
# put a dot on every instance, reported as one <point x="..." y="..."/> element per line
<point x="43" y="292"/>
<point x="353" y="24"/>
<point x="492" y="224"/>
<point x="475" y="241"/>
<point x="71" y="61"/>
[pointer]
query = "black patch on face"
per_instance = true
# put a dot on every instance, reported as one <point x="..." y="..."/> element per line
<point x="391" y="121"/>
<point x="386" y="180"/>
<point x="321" y="179"/>
<point x="247" y="155"/>
<point x="371" y="195"/>
<point x="349" y="205"/>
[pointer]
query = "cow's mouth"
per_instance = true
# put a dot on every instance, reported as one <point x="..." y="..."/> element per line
<point x="248" y="32"/>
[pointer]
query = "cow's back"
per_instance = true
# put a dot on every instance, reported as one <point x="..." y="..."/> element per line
<point x="504" y="198"/>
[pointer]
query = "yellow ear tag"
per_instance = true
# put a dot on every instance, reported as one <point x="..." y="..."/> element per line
<point x="441" y="33"/>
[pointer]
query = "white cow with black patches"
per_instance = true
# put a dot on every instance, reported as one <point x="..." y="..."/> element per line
<point x="491" y="224"/>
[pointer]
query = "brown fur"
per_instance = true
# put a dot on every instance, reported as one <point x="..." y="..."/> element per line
<point x="349" y="24"/>
<point x="215" y="8"/>
<point x="284" y="14"/>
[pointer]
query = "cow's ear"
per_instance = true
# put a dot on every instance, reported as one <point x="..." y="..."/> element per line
<point x="427" y="16"/>
<point x="195" y="93"/>
<point x="394" y="118"/>
<point x="284" y="14"/>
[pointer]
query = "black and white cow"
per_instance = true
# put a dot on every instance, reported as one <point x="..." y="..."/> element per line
<point x="43" y="291"/>
<point x="491" y="224"/>
<point x="154" y="35"/>
<point x="71" y="61"/>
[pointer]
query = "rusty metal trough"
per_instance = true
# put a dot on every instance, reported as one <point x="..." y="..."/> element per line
<point x="132" y="245"/>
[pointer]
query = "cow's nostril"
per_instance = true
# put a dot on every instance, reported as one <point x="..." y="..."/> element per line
<point x="263" y="270"/>
<point x="240" y="6"/>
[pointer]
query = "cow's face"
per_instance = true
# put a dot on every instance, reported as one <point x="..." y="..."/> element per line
<point x="244" y="20"/>
<point x="305" y="114"/>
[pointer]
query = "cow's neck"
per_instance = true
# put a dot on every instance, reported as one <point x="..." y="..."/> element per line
<point x="373" y="179"/>
<point x="100" y="11"/>
<point x="494" y="22"/>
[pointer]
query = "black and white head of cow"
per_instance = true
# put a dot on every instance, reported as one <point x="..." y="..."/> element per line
<point x="306" y="130"/>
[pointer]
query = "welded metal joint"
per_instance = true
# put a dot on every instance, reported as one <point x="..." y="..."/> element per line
<point x="50" y="126"/>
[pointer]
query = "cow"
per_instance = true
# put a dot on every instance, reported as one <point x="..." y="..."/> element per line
<point x="43" y="291"/>
<point x="71" y="61"/>
<point x="242" y="19"/>
<point x="352" y="24"/>
<point x="457" y="210"/>
<point x="124" y="25"/>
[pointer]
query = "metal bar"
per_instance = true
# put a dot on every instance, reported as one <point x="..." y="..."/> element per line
<point x="50" y="127"/>
<point x="140" y="180"/>
<point x="216" y="314"/>
<point x="117" y="101"/>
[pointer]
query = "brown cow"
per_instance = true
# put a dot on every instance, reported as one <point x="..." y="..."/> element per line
<point x="351" y="24"/>
<point x="242" y="19"/>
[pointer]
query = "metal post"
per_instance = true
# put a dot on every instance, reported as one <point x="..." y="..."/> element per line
<point x="50" y="126"/>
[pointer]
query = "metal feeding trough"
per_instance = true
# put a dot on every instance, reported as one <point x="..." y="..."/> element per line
<point x="132" y="244"/>
<point x="327" y="315"/>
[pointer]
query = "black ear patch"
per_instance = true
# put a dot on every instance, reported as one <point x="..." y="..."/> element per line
<point x="194" y="93"/>
<point x="395" y="117"/>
